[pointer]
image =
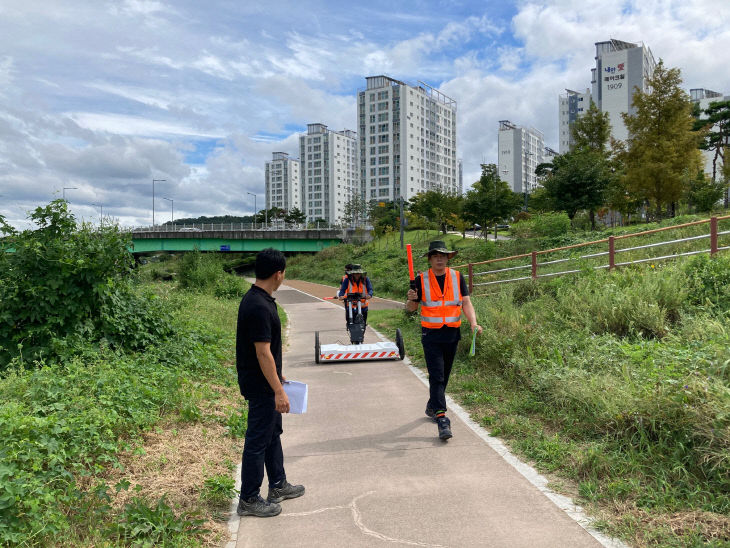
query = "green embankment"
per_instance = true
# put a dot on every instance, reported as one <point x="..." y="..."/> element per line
<point x="616" y="384"/>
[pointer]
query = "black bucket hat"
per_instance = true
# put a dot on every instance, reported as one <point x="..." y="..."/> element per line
<point x="439" y="246"/>
<point x="355" y="269"/>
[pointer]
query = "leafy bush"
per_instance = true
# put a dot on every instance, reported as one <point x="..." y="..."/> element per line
<point x="145" y="525"/>
<point x="709" y="280"/>
<point x="218" y="489"/>
<point x="230" y="287"/>
<point x="60" y="423"/>
<point x="200" y="271"/>
<point x="64" y="280"/>
<point x="545" y="225"/>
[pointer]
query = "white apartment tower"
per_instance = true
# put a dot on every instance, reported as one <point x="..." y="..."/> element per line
<point x="407" y="140"/>
<point x="283" y="184"/>
<point x="330" y="175"/>
<point x="621" y="69"/>
<point x="572" y="106"/>
<point x="520" y="151"/>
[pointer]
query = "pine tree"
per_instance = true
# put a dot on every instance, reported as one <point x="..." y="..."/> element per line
<point x="661" y="147"/>
<point x="716" y="137"/>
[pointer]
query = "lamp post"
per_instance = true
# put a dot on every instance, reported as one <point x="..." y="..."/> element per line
<point x="153" y="197"/>
<point x="254" y="209"/>
<point x="172" y="211"/>
<point x="63" y="192"/>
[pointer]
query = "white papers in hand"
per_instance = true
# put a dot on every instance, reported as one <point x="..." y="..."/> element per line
<point x="297" y="393"/>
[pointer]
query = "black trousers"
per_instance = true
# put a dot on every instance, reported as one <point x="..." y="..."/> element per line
<point x="262" y="448"/>
<point x="439" y="359"/>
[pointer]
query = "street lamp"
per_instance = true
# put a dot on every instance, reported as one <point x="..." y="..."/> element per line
<point x="153" y="197"/>
<point x="63" y="193"/>
<point x="254" y="209"/>
<point x="172" y="211"/>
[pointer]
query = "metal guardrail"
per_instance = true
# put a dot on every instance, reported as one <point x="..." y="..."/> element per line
<point x="217" y="227"/>
<point x="534" y="266"/>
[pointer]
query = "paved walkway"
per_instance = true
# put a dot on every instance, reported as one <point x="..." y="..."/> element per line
<point x="375" y="472"/>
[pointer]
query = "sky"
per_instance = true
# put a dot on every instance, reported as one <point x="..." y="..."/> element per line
<point x="101" y="97"/>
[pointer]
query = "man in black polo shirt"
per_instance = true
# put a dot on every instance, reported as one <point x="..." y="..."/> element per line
<point x="258" y="362"/>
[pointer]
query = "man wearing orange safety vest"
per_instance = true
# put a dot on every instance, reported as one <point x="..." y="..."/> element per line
<point x="356" y="281"/>
<point x="443" y="294"/>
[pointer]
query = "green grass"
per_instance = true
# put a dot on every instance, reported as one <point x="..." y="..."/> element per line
<point x="64" y="424"/>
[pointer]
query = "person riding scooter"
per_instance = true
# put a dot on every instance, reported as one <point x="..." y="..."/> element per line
<point x="356" y="281"/>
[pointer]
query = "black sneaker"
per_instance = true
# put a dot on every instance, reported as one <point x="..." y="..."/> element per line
<point x="430" y="413"/>
<point x="285" y="491"/>
<point x="444" y="425"/>
<point x="258" y="507"/>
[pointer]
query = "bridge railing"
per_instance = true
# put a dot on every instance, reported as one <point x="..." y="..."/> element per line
<point x="218" y="227"/>
<point x="706" y="236"/>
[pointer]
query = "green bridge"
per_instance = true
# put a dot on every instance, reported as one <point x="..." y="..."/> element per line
<point x="294" y="241"/>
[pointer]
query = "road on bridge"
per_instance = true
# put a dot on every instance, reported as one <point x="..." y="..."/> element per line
<point x="375" y="471"/>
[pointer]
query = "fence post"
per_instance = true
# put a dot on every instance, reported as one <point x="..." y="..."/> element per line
<point x="713" y="236"/>
<point x="471" y="281"/>
<point x="534" y="265"/>
<point x="611" y="253"/>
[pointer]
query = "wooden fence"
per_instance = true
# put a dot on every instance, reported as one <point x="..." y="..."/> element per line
<point x="575" y="258"/>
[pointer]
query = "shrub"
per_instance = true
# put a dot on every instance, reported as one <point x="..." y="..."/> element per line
<point x="218" y="489"/>
<point x="146" y="525"/>
<point x="200" y="271"/>
<point x="230" y="287"/>
<point x="64" y="280"/>
<point x="709" y="280"/>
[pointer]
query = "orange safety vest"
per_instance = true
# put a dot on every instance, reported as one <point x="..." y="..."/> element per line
<point x="441" y="308"/>
<point x="357" y="288"/>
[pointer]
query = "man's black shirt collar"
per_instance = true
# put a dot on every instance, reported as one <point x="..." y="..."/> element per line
<point x="264" y="292"/>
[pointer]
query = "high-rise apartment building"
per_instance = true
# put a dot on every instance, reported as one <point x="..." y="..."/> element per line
<point x="621" y="68"/>
<point x="520" y="151"/>
<point x="407" y="140"/>
<point x="572" y="106"/>
<point x="283" y="184"/>
<point x="330" y="171"/>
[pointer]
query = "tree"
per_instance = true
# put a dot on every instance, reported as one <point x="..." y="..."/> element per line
<point x="355" y="211"/>
<point x="436" y="205"/>
<point x="490" y="201"/>
<point x="661" y="147"/>
<point x="578" y="181"/>
<point x="592" y="130"/>
<point x="295" y="216"/>
<point x="384" y="216"/>
<point x="716" y="136"/>
<point x="704" y="193"/>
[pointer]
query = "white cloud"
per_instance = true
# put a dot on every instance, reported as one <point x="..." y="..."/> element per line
<point x="106" y="96"/>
